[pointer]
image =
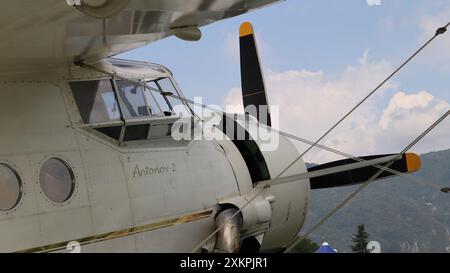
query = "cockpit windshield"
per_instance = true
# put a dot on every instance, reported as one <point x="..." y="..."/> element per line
<point x="98" y="100"/>
<point x="165" y="93"/>
<point x="150" y="98"/>
<point x="132" y="103"/>
<point x="129" y="110"/>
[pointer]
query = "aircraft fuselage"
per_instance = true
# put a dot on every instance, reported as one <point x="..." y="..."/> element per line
<point x="149" y="193"/>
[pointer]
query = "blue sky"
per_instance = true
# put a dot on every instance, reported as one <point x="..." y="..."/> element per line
<point x="303" y="34"/>
<point x="324" y="36"/>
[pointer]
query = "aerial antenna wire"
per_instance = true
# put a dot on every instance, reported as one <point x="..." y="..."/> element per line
<point x="294" y="243"/>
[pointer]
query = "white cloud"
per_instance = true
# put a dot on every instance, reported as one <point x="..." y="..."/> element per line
<point x="312" y="101"/>
<point x="292" y="74"/>
<point x="406" y="116"/>
<point x="233" y="101"/>
<point x="402" y="103"/>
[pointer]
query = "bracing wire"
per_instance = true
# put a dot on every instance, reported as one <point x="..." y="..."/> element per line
<point x="326" y="148"/>
<point x="382" y="168"/>
<point x="363" y="186"/>
<point x="316" y="143"/>
<point x="438" y="32"/>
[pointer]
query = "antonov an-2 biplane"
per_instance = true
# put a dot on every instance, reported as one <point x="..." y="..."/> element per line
<point x="87" y="154"/>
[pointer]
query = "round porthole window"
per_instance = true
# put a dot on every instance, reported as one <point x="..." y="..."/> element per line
<point x="57" y="180"/>
<point x="10" y="188"/>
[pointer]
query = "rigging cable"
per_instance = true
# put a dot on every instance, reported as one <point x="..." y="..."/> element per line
<point x="363" y="186"/>
<point x="326" y="148"/>
<point x="316" y="143"/>
<point x="187" y="101"/>
<point x="438" y="32"/>
<point x="382" y="168"/>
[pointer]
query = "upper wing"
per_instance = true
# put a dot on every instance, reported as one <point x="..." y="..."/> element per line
<point x="51" y="33"/>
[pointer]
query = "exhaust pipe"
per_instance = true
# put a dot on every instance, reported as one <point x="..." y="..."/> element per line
<point x="228" y="239"/>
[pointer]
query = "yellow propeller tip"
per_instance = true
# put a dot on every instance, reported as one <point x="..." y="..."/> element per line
<point x="413" y="162"/>
<point x="245" y="29"/>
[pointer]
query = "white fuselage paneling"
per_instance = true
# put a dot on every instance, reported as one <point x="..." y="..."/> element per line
<point x="116" y="189"/>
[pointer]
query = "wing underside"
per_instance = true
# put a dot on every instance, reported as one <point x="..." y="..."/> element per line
<point x="50" y="33"/>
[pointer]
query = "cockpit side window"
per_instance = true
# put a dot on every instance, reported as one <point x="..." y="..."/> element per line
<point x="167" y="87"/>
<point x="153" y="106"/>
<point x="163" y="90"/>
<point x="96" y="101"/>
<point x="132" y="99"/>
<point x="162" y="101"/>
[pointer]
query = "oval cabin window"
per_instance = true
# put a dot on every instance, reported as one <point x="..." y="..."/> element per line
<point x="10" y="188"/>
<point x="57" y="180"/>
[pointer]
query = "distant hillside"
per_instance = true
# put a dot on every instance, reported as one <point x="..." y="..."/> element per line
<point x="401" y="214"/>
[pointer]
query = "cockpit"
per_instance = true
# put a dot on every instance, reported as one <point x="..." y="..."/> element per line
<point x="135" y="102"/>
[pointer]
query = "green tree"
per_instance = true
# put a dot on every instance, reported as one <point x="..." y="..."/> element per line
<point x="306" y="246"/>
<point x="360" y="240"/>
